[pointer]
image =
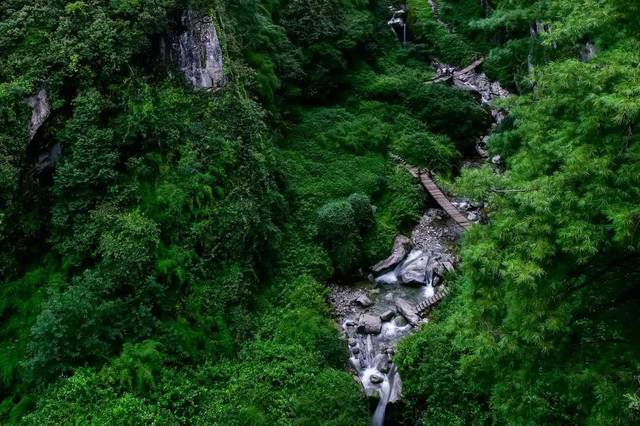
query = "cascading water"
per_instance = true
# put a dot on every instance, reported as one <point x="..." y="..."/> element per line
<point x="378" y="313"/>
<point x="385" y="394"/>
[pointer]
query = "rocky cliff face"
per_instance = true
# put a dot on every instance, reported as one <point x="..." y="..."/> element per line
<point x="40" y="111"/>
<point x="198" y="52"/>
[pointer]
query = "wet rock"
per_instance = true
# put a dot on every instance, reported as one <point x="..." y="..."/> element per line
<point x="448" y="266"/>
<point x="387" y="315"/>
<point x="472" y="80"/>
<point x="396" y="389"/>
<point x="369" y="324"/>
<point x="472" y="217"/>
<point x="353" y="342"/>
<point x="407" y="310"/>
<point x="496" y="159"/>
<point x="588" y="52"/>
<point x="399" y="321"/>
<point x="198" y="51"/>
<point x="376" y="379"/>
<point x="40" y="111"/>
<point x="49" y="158"/>
<point x="363" y="301"/>
<point x="383" y="363"/>
<point x="355" y="350"/>
<point x="414" y="269"/>
<point x="401" y="246"/>
<point x="389" y="278"/>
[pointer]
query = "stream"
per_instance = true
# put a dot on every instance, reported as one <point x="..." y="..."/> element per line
<point x="376" y="314"/>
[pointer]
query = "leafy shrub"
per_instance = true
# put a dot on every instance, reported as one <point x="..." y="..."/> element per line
<point x="362" y="211"/>
<point x="449" y="111"/>
<point x="424" y="149"/>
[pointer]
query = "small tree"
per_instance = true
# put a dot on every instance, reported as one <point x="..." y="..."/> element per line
<point x="362" y="211"/>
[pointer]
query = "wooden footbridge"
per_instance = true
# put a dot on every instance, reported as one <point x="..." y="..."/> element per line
<point x="436" y="193"/>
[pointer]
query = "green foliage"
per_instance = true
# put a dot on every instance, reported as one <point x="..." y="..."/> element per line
<point x="424" y="149"/>
<point x="137" y="366"/>
<point x="397" y="211"/>
<point x="431" y="38"/>
<point x="438" y="106"/>
<point x="170" y="269"/>
<point x="335" y="220"/>
<point x="540" y="330"/>
<point x="362" y="211"/>
<point x="340" y="228"/>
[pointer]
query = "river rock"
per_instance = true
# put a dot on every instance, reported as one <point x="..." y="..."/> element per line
<point x="369" y="324"/>
<point x="407" y="310"/>
<point x="363" y="301"/>
<point x="401" y="246"/>
<point x="383" y="363"/>
<point x="40" y="111"/>
<point x="198" y="52"/>
<point x="414" y="269"/>
<point x="389" y="278"/>
<point x="376" y="379"/>
<point x="399" y="321"/>
<point x="387" y="315"/>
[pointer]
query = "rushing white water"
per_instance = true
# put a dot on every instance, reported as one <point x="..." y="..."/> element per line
<point x="371" y="315"/>
<point x="385" y="394"/>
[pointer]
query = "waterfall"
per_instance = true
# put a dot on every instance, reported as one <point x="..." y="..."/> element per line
<point x="385" y="394"/>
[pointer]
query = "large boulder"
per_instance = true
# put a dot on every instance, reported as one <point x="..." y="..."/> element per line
<point x="389" y="278"/>
<point x="369" y="324"/>
<point x="401" y="246"/>
<point x="414" y="269"/>
<point x="387" y="315"/>
<point x="407" y="310"/>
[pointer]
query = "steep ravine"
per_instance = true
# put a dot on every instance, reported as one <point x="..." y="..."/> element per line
<point x="376" y="314"/>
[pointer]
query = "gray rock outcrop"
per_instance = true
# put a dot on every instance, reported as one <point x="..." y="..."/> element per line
<point x="387" y="315"/>
<point x="473" y="81"/>
<point x="48" y="159"/>
<point x="40" y="111"/>
<point x="198" y="52"/>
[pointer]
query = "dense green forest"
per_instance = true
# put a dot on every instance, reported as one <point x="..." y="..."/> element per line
<point x="170" y="266"/>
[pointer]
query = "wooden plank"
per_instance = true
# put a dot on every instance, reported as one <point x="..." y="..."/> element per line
<point x="443" y="201"/>
<point x="436" y="193"/>
<point x="471" y="67"/>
